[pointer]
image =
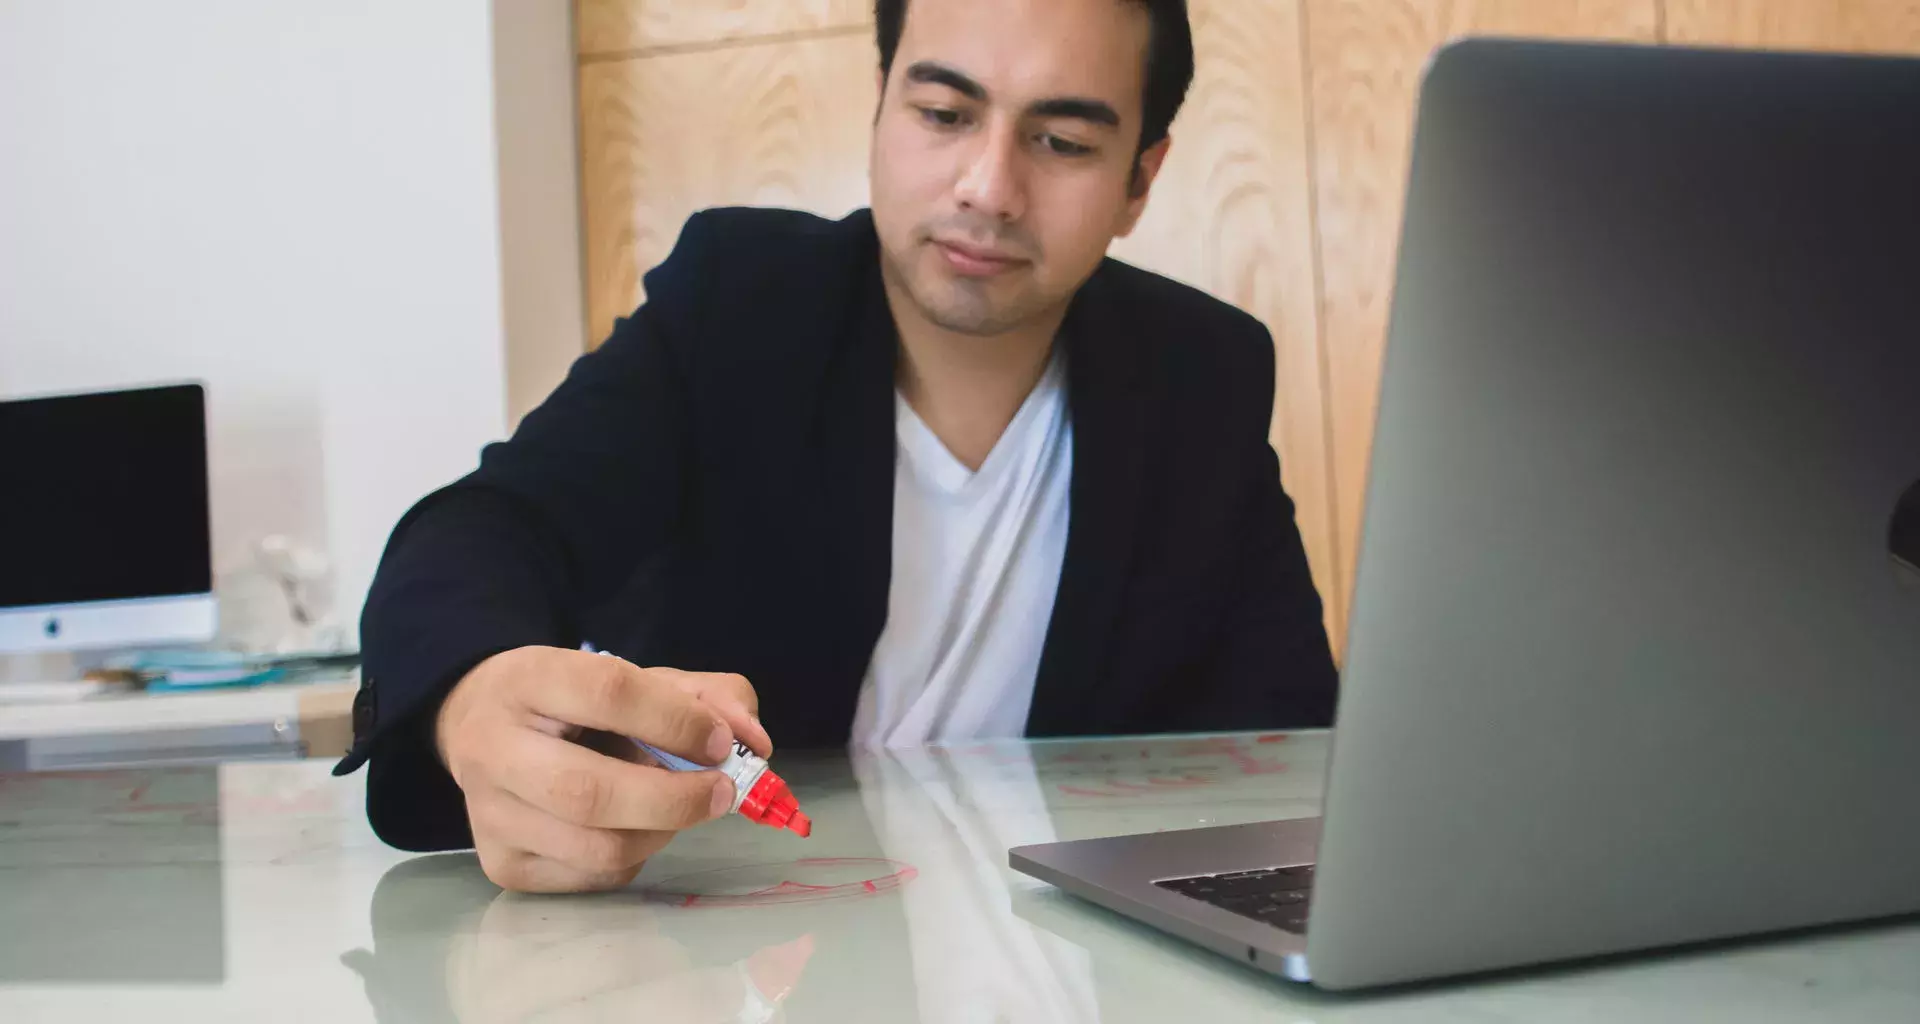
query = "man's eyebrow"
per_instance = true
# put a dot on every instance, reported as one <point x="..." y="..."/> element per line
<point x="1092" y="111"/>
<point x="1100" y="112"/>
<point x="934" y="73"/>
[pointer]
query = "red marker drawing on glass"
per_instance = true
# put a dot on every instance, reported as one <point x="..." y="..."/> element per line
<point x="759" y="795"/>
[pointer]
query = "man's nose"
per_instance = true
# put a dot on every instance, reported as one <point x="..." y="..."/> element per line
<point x="992" y="185"/>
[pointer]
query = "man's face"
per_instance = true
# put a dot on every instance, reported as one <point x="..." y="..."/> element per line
<point x="1003" y="154"/>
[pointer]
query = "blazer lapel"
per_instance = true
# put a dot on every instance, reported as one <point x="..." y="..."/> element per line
<point x="857" y="451"/>
<point x="1106" y="392"/>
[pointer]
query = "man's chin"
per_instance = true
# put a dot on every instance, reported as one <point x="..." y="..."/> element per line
<point x="964" y="305"/>
<point x="956" y="305"/>
<point x="964" y="321"/>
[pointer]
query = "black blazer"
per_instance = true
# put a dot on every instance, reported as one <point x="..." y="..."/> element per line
<point x="712" y="489"/>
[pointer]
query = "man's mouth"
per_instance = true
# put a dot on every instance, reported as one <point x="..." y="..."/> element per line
<point x="975" y="261"/>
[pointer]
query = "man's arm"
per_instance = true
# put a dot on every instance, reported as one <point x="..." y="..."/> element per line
<point x="552" y="522"/>
<point x="1273" y="667"/>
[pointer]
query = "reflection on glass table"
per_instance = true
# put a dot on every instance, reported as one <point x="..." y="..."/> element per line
<point x="256" y="892"/>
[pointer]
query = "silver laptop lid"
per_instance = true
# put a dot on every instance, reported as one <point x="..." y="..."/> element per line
<point x="1632" y="661"/>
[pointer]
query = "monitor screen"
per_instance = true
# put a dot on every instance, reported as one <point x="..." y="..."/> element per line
<point x="103" y="497"/>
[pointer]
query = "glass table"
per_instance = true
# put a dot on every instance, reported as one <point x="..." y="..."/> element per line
<point x="256" y="892"/>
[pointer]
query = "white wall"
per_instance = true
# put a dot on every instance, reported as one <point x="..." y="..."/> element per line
<point x="295" y="202"/>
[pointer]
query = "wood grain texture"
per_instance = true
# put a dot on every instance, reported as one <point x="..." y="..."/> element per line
<point x="1231" y="214"/>
<point x="1366" y="57"/>
<point x="782" y="124"/>
<point x="623" y="26"/>
<point x="1865" y="26"/>
<point x="325" y="715"/>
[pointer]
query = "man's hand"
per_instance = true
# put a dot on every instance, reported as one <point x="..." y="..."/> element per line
<point x="551" y="813"/>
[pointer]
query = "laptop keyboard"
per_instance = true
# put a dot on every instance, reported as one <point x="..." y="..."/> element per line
<point x="1275" y="896"/>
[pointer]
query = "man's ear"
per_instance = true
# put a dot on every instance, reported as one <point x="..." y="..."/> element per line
<point x="1146" y="168"/>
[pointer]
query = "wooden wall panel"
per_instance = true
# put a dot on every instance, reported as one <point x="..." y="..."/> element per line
<point x="1283" y="194"/>
<point x="775" y="124"/>
<point x="1852" y="25"/>
<point x="1365" y="59"/>
<point x="1231" y="213"/>
<point x="607" y="27"/>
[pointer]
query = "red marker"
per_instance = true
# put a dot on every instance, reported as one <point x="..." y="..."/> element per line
<point x="758" y="794"/>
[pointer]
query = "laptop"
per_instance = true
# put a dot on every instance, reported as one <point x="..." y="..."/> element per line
<point x="1634" y="652"/>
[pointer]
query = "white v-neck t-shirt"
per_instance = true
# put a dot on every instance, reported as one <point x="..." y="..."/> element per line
<point x="976" y="563"/>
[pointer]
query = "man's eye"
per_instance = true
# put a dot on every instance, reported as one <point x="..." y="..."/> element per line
<point x="941" y="117"/>
<point x="1064" y="147"/>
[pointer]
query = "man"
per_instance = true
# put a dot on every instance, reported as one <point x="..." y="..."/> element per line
<point x="934" y="471"/>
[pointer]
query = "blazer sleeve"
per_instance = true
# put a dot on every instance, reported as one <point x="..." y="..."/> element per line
<point x="552" y="522"/>
<point x="1273" y="667"/>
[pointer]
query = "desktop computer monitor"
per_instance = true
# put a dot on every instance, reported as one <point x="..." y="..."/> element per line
<point x="104" y="526"/>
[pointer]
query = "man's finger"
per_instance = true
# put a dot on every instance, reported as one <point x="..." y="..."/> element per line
<point x="595" y="853"/>
<point x="618" y="697"/>
<point x="708" y="684"/>
<point x="730" y="695"/>
<point x="520" y="871"/>
<point x="578" y="786"/>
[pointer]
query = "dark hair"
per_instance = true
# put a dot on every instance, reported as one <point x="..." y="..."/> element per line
<point x="1169" y="59"/>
